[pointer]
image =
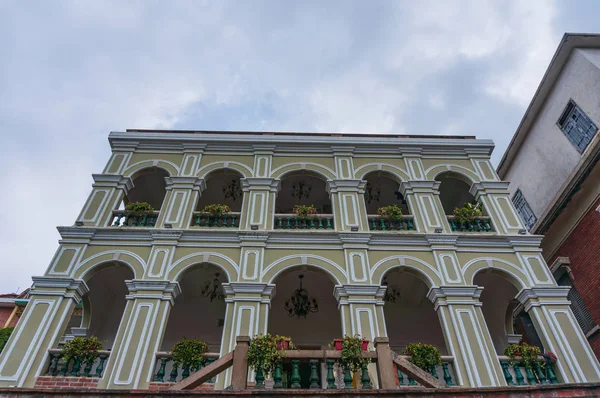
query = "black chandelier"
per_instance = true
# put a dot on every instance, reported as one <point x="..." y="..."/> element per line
<point x="391" y="293"/>
<point x="232" y="190"/>
<point x="301" y="190"/>
<point x="372" y="193"/>
<point x="213" y="290"/>
<point x="300" y="304"/>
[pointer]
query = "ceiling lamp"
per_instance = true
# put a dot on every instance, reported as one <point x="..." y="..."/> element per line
<point x="232" y="190"/>
<point x="213" y="290"/>
<point x="300" y="304"/>
<point x="391" y="293"/>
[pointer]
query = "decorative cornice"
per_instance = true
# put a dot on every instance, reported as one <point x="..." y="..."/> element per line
<point x="194" y="183"/>
<point x="359" y="294"/>
<point x="264" y="289"/>
<point x="112" y="181"/>
<point x="149" y="289"/>
<point x="260" y="184"/>
<point x="73" y="288"/>
<point x="454" y="291"/>
<point x="408" y="187"/>
<point x="542" y="292"/>
<point x="483" y="187"/>
<point x="335" y="186"/>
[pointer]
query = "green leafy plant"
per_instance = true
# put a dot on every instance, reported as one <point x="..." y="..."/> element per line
<point x="138" y="208"/>
<point x="188" y="352"/>
<point x="280" y="341"/>
<point x="528" y="354"/>
<point x="393" y="212"/>
<point x="263" y="353"/>
<point x="4" y="335"/>
<point x="216" y="209"/>
<point x="468" y="213"/>
<point x="83" y="349"/>
<point x="304" y="211"/>
<point x="352" y="353"/>
<point x="422" y="355"/>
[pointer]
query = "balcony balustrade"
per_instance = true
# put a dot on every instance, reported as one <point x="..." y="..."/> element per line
<point x="443" y="372"/>
<point x="122" y="218"/>
<point x="229" y="220"/>
<point x="75" y="368"/>
<point x="379" y="223"/>
<point x="518" y="374"/>
<point x="291" y="221"/>
<point x="480" y="224"/>
<point x="165" y="370"/>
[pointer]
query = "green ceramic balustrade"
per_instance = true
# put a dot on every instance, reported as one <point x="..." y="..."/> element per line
<point x="165" y="371"/>
<point x="441" y="372"/>
<point x="206" y="220"/>
<point x="480" y="224"/>
<point x="123" y="219"/>
<point x="290" y="221"/>
<point x="378" y="223"/>
<point x="516" y="373"/>
<point x="75" y="368"/>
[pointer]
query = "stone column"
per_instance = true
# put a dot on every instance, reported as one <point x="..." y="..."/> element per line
<point x="180" y="200"/>
<point x="51" y="302"/>
<point x="467" y="336"/>
<point x="361" y="307"/>
<point x="559" y="332"/>
<point x="246" y="314"/>
<point x="131" y="362"/>
<point x="496" y="201"/>
<point x="259" y="203"/>
<point x="423" y="197"/>
<point x="108" y="191"/>
<point x="348" y="204"/>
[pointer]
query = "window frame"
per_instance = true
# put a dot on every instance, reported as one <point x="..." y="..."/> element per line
<point x="578" y="306"/>
<point x="518" y="192"/>
<point x="563" y="124"/>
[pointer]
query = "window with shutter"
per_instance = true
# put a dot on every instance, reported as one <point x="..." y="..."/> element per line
<point x="577" y="126"/>
<point x="524" y="209"/>
<point x="582" y="315"/>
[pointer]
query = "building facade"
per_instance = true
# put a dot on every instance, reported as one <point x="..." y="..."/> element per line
<point x="145" y="281"/>
<point x="552" y="166"/>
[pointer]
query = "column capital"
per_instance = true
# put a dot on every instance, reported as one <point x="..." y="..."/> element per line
<point x="339" y="185"/>
<point x="460" y="295"/>
<point x="359" y="294"/>
<point x="483" y="187"/>
<point x="408" y="187"/>
<point x="260" y="184"/>
<point x="148" y="289"/>
<point x="249" y="291"/>
<point x="195" y="183"/>
<point x="112" y="181"/>
<point x="539" y="296"/>
<point x="54" y="286"/>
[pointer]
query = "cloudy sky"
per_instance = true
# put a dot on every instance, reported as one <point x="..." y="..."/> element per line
<point x="72" y="71"/>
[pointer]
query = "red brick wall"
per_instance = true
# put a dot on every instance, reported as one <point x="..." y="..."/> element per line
<point x="61" y="382"/>
<point x="583" y="249"/>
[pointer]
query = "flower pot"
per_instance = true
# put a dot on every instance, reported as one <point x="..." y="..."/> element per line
<point x="365" y="345"/>
<point x="337" y="344"/>
<point x="283" y="345"/>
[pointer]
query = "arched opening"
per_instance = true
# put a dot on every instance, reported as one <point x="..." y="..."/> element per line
<point x="383" y="190"/>
<point x="101" y="309"/>
<point x="149" y="186"/>
<point x="454" y="191"/>
<point x="498" y="305"/>
<point x="223" y="187"/>
<point x="315" y="331"/>
<point x="409" y="315"/>
<point x="303" y="189"/>
<point x="199" y="311"/>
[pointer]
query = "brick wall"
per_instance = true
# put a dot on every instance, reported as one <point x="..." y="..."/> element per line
<point x="583" y="249"/>
<point x="62" y="383"/>
<point x="5" y="314"/>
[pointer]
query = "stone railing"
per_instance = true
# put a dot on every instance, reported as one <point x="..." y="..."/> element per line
<point x="516" y="373"/>
<point x="229" y="220"/>
<point x="379" y="223"/>
<point x="291" y="221"/>
<point x="443" y="372"/>
<point x="480" y="224"/>
<point x="74" y="368"/>
<point x="166" y="372"/>
<point x="122" y="218"/>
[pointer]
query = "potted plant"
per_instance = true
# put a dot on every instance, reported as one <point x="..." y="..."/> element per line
<point x="425" y="356"/>
<point x="4" y="335"/>
<point x="138" y="208"/>
<point x="303" y="211"/>
<point x="468" y="213"/>
<point x="188" y="353"/>
<point x="352" y="353"/>
<point x="82" y="350"/>
<point x="216" y="209"/>
<point x="337" y="344"/>
<point x="263" y="354"/>
<point x="364" y="345"/>
<point x="284" y="342"/>
<point x="393" y="212"/>
<point x="528" y="354"/>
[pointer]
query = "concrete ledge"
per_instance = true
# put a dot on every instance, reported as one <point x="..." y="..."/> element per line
<point x="540" y="391"/>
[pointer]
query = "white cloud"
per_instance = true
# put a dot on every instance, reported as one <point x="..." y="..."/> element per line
<point x="76" y="71"/>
